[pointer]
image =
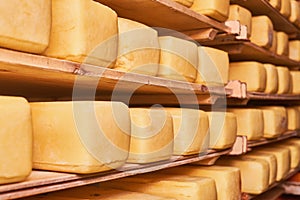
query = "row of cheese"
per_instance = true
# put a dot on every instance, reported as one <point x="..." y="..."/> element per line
<point x="251" y="173"/>
<point x="265" y="78"/>
<point x="222" y="10"/>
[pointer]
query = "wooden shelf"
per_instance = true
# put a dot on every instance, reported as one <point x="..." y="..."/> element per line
<point x="292" y="186"/>
<point x="257" y="98"/>
<point x="247" y="51"/>
<point x="263" y="7"/>
<point x="43" y="181"/>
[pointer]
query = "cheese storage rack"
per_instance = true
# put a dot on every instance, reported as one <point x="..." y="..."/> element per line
<point x="40" y="78"/>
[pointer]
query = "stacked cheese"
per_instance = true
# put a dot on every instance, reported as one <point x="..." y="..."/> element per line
<point x="295" y="13"/>
<point x="262" y="31"/>
<point x="242" y="15"/>
<point x="293" y="115"/>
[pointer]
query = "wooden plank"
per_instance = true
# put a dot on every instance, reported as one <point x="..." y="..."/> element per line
<point x="263" y="7"/>
<point x="168" y="14"/>
<point x="42" y="181"/>
<point x="272" y="194"/>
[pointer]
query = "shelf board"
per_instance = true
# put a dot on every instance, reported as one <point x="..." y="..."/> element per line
<point x="258" y="98"/>
<point x="292" y="186"/>
<point x="263" y="7"/>
<point x="168" y="14"/>
<point x="247" y="51"/>
<point x="43" y="181"/>
<point x="41" y="78"/>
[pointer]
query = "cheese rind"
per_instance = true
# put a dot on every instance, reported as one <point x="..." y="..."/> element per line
<point x="295" y="12"/>
<point x="218" y="10"/>
<point x="283" y="80"/>
<point x="282" y="43"/>
<point x="21" y="27"/>
<point x="295" y="78"/>
<point x="241" y="14"/>
<point x="293" y="115"/>
<point x="262" y="31"/>
<point x="213" y="66"/>
<point x="187" y="3"/>
<point x="295" y="153"/>
<point x="269" y="158"/>
<point x="178" y="186"/>
<point x="222" y="129"/>
<point x="178" y="59"/>
<point x="285" y="9"/>
<point x="272" y="79"/>
<point x="294" y="50"/>
<point x="78" y="35"/>
<point x="250" y="122"/>
<point x="138" y="49"/>
<point x="249" y="168"/>
<point x="190" y="128"/>
<point x="275" y="3"/>
<point x="275" y="120"/>
<point x="15" y="140"/>
<point x="253" y="73"/>
<point x="228" y="180"/>
<point x="76" y="136"/>
<point x="151" y="135"/>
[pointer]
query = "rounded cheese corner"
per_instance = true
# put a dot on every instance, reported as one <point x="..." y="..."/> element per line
<point x="272" y="79"/>
<point x="242" y="15"/>
<point x="262" y="31"/>
<point x="293" y="115"/>
<point x="283" y="80"/>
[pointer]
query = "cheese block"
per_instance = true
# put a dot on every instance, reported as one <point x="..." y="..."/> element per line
<point x="272" y="79"/>
<point x="295" y="12"/>
<point x="250" y="122"/>
<point x="283" y="80"/>
<point x="178" y="59"/>
<point x="102" y="193"/>
<point x="282" y="159"/>
<point x="151" y="135"/>
<point x="228" y="180"/>
<point x="275" y="120"/>
<point x="275" y="3"/>
<point x="295" y="78"/>
<point x="294" y="50"/>
<point x="222" y="129"/>
<point x="76" y="136"/>
<point x="21" y="27"/>
<point x="285" y="9"/>
<point x="187" y="3"/>
<point x="249" y="168"/>
<point x="15" y="139"/>
<point x="253" y="73"/>
<point x="282" y="44"/>
<point x="166" y="185"/>
<point x="242" y="15"/>
<point x="262" y="31"/>
<point x="213" y="66"/>
<point x="190" y="130"/>
<point x="293" y="114"/>
<point x="269" y="158"/>
<point x="274" y="42"/>
<point x="138" y="49"/>
<point x="295" y="153"/>
<point x="216" y="9"/>
<point x="78" y="35"/>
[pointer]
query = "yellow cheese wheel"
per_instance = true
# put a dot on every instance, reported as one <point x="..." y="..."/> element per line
<point x="283" y="80"/>
<point x="272" y="79"/>
<point x="242" y="15"/>
<point x="282" y="43"/>
<point x="295" y="12"/>
<point x="285" y="9"/>
<point x="276" y="4"/>
<point x="262" y="31"/>
<point x="293" y="114"/>
<point x="294" y="50"/>
<point x="295" y="153"/>
<point x="15" y="139"/>
<point x="295" y="79"/>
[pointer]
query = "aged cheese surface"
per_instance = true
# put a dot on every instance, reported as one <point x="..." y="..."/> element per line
<point x="250" y="168"/>
<point x="283" y="80"/>
<point x="76" y="136"/>
<point x="151" y="135"/>
<point x="218" y="10"/>
<point x="178" y="59"/>
<point x="228" y="180"/>
<point x="213" y="66"/>
<point x="262" y="31"/>
<point x="102" y="193"/>
<point x="187" y="3"/>
<point x="190" y="128"/>
<point x="295" y="79"/>
<point x="269" y="158"/>
<point x="241" y="14"/>
<point x="166" y="185"/>
<point x="253" y="73"/>
<point x="275" y="3"/>
<point x="222" y="129"/>
<point x="285" y="9"/>
<point x="275" y="120"/>
<point x="25" y="25"/>
<point x="272" y="79"/>
<point x="78" y="35"/>
<point x="295" y="12"/>
<point x="295" y="153"/>
<point x="138" y="49"/>
<point x="282" y="158"/>
<point x="15" y="139"/>
<point x="250" y="122"/>
<point x="293" y="114"/>
<point x="294" y="50"/>
<point x="282" y="43"/>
